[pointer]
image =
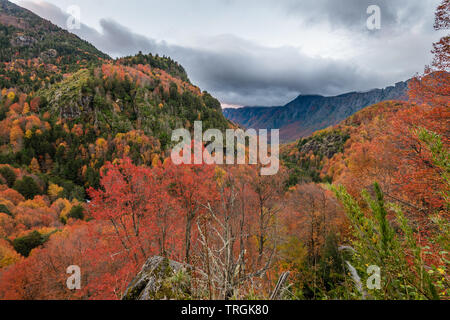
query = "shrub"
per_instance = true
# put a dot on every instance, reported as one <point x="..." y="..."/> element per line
<point x="27" y="187"/>
<point x="77" y="212"/>
<point x="25" y="244"/>
<point x="9" y="175"/>
<point x="4" y="209"/>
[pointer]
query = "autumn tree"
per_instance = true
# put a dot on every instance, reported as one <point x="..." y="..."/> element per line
<point x="433" y="88"/>
<point x="311" y="217"/>
<point x="431" y="95"/>
<point x="193" y="186"/>
<point x="42" y="276"/>
<point x="441" y="49"/>
<point x="34" y="166"/>
<point x="125" y="201"/>
<point x="8" y="256"/>
<point x="229" y="257"/>
<point x="266" y="193"/>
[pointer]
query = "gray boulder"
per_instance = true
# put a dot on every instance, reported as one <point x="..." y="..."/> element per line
<point x="160" y="279"/>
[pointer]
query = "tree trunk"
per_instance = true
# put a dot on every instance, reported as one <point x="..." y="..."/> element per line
<point x="188" y="237"/>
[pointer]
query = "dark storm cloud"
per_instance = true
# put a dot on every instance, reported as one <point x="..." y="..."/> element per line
<point x="353" y="13"/>
<point x="238" y="71"/>
<point x="243" y="71"/>
<point x="115" y="39"/>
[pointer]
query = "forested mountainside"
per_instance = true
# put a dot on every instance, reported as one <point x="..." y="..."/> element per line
<point x="309" y="113"/>
<point x="34" y="52"/>
<point x="69" y="108"/>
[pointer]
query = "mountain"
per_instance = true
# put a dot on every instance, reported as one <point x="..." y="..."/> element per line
<point x="34" y="52"/>
<point x="309" y="113"/>
<point x="66" y="108"/>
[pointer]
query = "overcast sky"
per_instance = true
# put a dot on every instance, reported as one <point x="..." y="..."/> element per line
<point x="263" y="52"/>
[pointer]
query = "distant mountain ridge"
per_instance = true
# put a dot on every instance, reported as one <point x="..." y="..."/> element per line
<point x="309" y="113"/>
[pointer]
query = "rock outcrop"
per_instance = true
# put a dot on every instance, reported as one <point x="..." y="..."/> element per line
<point x="326" y="144"/>
<point x="160" y="279"/>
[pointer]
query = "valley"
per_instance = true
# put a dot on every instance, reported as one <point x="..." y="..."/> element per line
<point x="87" y="181"/>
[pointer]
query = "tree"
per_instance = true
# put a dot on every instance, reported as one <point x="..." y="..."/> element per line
<point x="34" y="166"/>
<point x="34" y="104"/>
<point x="54" y="191"/>
<point x="441" y="158"/>
<point x="27" y="187"/>
<point x="193" y="186"/>
<point x="12" y="195"/>
<point x="7" y="255"/>
<point x="311" y="215"/>
<point x="441" y="49"/>
<point x="265" y="195"/>
<point x="4" y="209"/>
<point x="9" y="175"/>
<point x="433" y="87"/>
<point x="226" y="233"/>
<point x="136" y="201"/>
<point x="16" y="137"/>
<point x="76" y="212"/>
<point x="389" y="149"/>
<point x="25" y="244"/>
<point x="123" y="200"/>
<point x="106" y="271"/>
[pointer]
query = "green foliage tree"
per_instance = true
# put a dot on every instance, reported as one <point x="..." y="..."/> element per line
<point x="9" y="175"/>
<point x="25" y="244"/>
<point x="440" y="158"/>
<point x="27" y="187"/>
<point x="332" y="264"/>
<point x="77" y="212"/>
<point x="4" y="209"/>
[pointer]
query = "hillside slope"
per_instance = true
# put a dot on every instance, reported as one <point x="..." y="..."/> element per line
<point x="377" y="144"/>
<point x="35" y="53"/>
<point x="66" y="108"/>
<point x="309" y="113"/>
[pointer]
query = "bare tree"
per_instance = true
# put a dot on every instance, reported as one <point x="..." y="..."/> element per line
<point x="226" y="233"/>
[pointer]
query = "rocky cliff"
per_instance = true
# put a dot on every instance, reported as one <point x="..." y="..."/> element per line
<point x="309" y="113"/>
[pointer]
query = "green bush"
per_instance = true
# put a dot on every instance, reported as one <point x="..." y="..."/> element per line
<point x="77" y="212"/>
<point x="9" y="175"/>
<point x="71" y="190"/>
<point x="27" y="187"/>
<point x="25" y="244"/>
<point x="398" y="254"/>
<point x="4" y="209"/>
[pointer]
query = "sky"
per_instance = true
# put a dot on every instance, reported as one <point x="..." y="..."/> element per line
<point x="263" y="52"/>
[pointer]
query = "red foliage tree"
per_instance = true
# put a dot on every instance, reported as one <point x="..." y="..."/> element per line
<point x="126" y="198"/>
<point x="193" y="186"/>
